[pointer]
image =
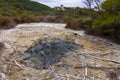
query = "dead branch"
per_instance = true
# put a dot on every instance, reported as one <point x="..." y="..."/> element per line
<point x="84" y="65"/>
<point x="61" y="76"/>
<point x="100" y="67"/>
<point x="18" y="64"/>
<point x="95" y="57"/>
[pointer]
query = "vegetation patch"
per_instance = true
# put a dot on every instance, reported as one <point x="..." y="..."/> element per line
<point x="14" y="12"/>
<point x="74" y="24"/>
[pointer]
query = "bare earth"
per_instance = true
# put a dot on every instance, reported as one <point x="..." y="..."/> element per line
<point x="96" y="59"/>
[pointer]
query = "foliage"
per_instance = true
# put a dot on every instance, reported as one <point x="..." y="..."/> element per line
<point x="21" y="11"/>
<point x="108" y="22"/>
<point x="104" y="21"/>
<point x="18" y="7"/>
<point x="111" y="6"/>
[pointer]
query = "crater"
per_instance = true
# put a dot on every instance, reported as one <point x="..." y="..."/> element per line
<point x="49" y="52"/>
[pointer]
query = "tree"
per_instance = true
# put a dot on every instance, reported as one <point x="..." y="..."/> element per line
<point x="111" y="6"/>
<point x="88" y="3"/>
<point x="108" y="23"/>
<point x="93" y="3"/>
<point x="98" y="4"/>
<point x="62" y="7"/>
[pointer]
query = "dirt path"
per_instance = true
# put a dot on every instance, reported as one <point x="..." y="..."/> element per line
<point x="95" y="59"/>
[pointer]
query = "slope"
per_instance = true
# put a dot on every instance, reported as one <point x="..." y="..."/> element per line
<point x="15" y="7"/>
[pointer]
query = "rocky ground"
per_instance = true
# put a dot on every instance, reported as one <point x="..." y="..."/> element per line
<point x="48" y="51"/>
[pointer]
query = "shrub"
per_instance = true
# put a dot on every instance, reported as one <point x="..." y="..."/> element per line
<point x="74" y="24"/>
<point x="17" y="19"/>
<point x="49" y="18"/>
<point x="5" y="20"/>
<point x="29" y="19"/>
<point x="38" y="18"/>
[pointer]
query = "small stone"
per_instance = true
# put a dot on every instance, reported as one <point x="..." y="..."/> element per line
<point x="3" y="76"/>
<point x="7" y="46"/>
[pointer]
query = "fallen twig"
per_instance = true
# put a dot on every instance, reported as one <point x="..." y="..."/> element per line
<point x="84" y="65"/>
<point x="18" y="64"/>
<point x="61" y="76"/>
<point x="105" y="59"/>
<point x="99" y="67"/>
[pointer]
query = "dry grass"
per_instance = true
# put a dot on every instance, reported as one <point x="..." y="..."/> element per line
<point x="49" y="18"/>
<point x="6" y="22"/>
<point x="30" y="19"/>
<point x="39" y="18"/>
<point x="5" y="19"/>
<point x="17" y="19"/>
<point x="74" y="24"/>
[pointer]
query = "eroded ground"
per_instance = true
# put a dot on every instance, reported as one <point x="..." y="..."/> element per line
<point x="94" y="59"/>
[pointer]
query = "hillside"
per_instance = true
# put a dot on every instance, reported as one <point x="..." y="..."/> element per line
<point x="18" y="7"/>
<point x="13" y="12"/>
